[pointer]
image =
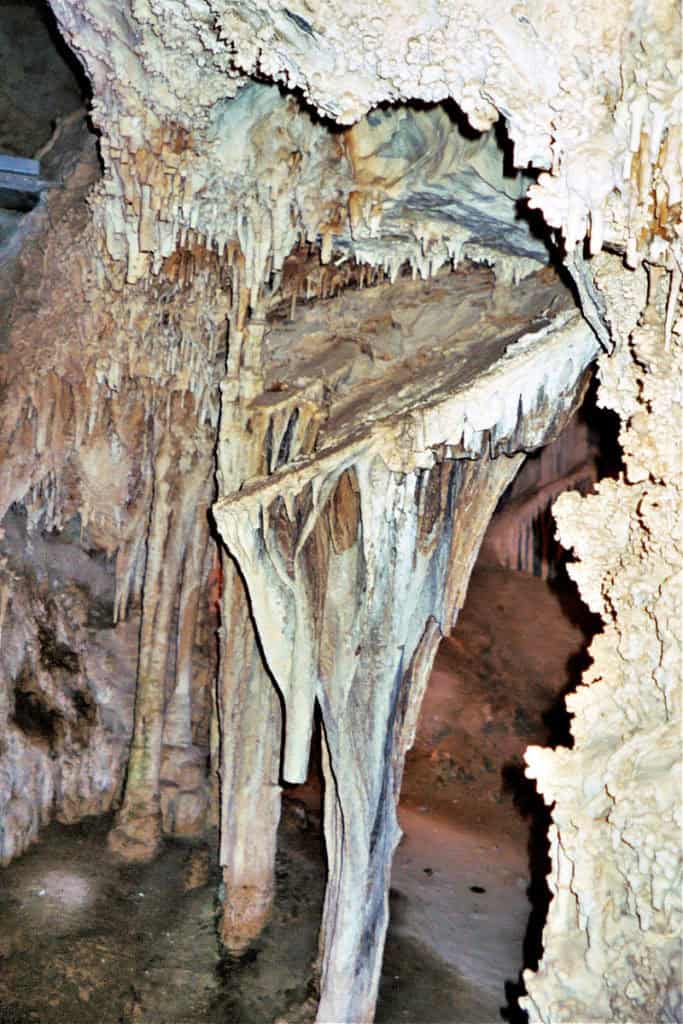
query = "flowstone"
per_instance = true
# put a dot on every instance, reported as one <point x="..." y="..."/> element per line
<point x="356" y="557"/>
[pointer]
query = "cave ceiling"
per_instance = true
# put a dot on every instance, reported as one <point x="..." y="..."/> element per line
<point x="581" y="104"/>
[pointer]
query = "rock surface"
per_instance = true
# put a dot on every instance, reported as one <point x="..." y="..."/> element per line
<point x="613" y="934"/>
<point x="223" y="284"/>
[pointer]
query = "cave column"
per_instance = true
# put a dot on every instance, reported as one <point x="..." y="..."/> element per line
<point x="251" y="738"/>
<point x="137" y="832"/>
<point x="352" y="582"/>
<point x="178" y="718"/>
<point x="173" y="520"/>
<point x="184" y="783"/>
<point x="248" y="708"/>
<point x="254" y="437"/>
<point x="370" y="719"/>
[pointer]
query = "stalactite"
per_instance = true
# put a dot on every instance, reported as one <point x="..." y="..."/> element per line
<point x="367" y="729"/>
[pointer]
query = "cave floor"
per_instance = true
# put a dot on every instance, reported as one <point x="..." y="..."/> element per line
<point x="87" y="940"/>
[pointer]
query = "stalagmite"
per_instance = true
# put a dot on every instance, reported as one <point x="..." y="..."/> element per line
<point x="253" y="436"/>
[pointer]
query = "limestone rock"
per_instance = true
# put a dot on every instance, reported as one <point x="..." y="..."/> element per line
<point x="234" y="313"/>
<point x="612" y="939"/>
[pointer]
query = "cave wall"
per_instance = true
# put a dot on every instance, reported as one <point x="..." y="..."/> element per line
<point x="67" y="683"/>
<point x="105" y="394"/>
<point x="612" y="939"/>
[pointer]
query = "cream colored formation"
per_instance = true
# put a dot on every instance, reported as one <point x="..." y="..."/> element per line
<point x="356" y="550"/>
<point x="590" y="94"/>
<point x="613" y="936"/>
<point x="201" y="299"/>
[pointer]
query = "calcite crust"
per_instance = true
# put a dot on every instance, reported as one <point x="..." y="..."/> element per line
<point x="256" y="159"/>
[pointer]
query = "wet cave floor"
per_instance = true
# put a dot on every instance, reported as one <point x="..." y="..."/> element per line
<point x="87" y="940"/>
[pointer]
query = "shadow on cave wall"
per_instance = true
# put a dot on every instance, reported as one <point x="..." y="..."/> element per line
<point x="531" y="805"/>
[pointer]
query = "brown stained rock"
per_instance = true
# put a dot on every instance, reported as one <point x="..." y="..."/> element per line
<point x="303" y="1013"/>
<point x="344" y="513"/>
<point x="246" y="910"/>
<point x="136" y="839"/>
<point x="197" y="870"/>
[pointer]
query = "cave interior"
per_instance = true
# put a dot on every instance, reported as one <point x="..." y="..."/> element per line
<point x="315" y="705"/>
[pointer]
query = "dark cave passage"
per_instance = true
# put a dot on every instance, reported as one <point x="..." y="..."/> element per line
<point x="41" y="82"/>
